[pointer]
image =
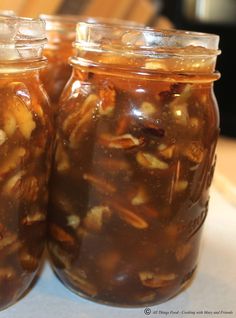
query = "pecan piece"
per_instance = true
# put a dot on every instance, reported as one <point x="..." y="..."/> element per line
<point x="30" y="219"/>
<point x="12" y="161"/>
<point x="61" y="158"/>
<point x="85" y="108"/>
<point x="10" y="186"/>
<point x="156" y="280"/>
<point x="60" y="235"/>
<point x="77" y="123"/>
<point x="179" y="106"/>
<point x="108" y="98"/>
<point x="99" y="183"/>
<point x="149" y="161"/>
<point x="147" y="109"/>
<point x="165" y="151"/>
<point x="60" y="256"/>
<point x="7" y="273"/>
<point x="23" y="116"/>
<point x="7" y="238"/>
<point x="28" y="261"/>
<point x="96" y="217"/>
<point x="73" y="221"/>
<point x="3" y="137"/>
<point x="129" y="216"/>
<point x="194" y="152"/>
<point x="9" y="123"/>
<point x="24" y="188"/>
<point x="79" y="279"/>
<point x="180" y="185"/>
<point x="125" y="141"/>
<point x="141" y="197"/>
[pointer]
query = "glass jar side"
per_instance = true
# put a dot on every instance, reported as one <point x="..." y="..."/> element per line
<point x="130" y="183"/>
<point x="25" y="156"/>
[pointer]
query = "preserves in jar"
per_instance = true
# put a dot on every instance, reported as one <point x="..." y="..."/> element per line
<point x="25" y="153"/>
<point x="136" y="133"/>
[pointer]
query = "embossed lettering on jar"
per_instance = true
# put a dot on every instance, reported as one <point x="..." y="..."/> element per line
<point x="25" y="152"/>
<point x="136" y="135"/>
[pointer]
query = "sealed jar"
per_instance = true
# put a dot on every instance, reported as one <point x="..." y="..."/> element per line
<point x="136" y="134"/>
<point x="61" y="33"/>
<point x="25" y="132"/>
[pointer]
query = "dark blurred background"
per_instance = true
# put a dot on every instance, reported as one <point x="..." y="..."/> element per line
<point x="213" y="16"/>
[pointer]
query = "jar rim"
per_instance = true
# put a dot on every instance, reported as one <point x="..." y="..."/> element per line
<point x="21" y="29"/>
<point x="21" y="38"/>
<point x="130" y="37"/>
<point x="68" y="22"/>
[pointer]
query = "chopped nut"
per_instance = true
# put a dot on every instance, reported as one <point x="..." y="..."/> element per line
<point x="108" y="98"/>
<point x="141" y="197"/>
<point x="194" y="152"/>
<point x="11" y="183"/>
<point x="7" y="239"/>
<point x="23" y="116"/>
<point x="78" y="278"/>
<point x="156" y="280"/>
<point x="88" y="104"/>
<point x="7" y="273"/>
<point x="27" y="189"/>
<point x="73" y="221"/>
<point x="179" y="106"/>
<point x="76" y="123"/>
<point x="147" y="109"/>
<point x="120" y="142"/>
<point x="3" y="137"/>
<point x="38" y="216"/>
<point x="9" y="125"/>
<point x="60" y="255"/>
<point x="96" y="217"/>
<point x="129" y="216"/>
<point x="28" y="261"/>
<point x="149" y="161"/>
<point x="60" y="235"/>
<point x="99" y="183"/>
<point x="165" y="151"/>
<point x="180" y="185"/>
<point x="62" y="159"/>
<point x="12" y="161"/>
<point x="182" y="251"/>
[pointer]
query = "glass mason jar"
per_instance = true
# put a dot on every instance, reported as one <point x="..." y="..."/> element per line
<point x="61" y="33"/>
<point x="136" y="134"/>
<point x="25" y="131"/>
